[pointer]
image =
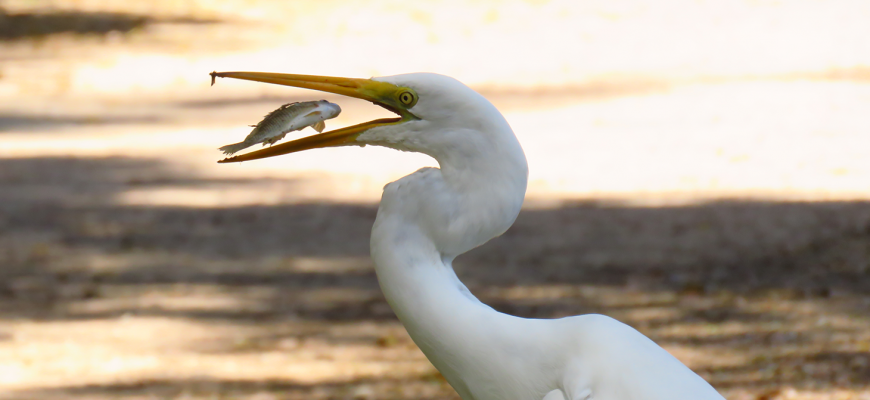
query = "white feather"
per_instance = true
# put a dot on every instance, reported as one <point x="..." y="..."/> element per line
<point x="428" y="218"/>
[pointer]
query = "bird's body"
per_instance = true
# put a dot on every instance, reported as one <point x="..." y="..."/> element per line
<point x="428" y="218"/>
<point x="488" y="355"/>
<point x="431" y="216"/>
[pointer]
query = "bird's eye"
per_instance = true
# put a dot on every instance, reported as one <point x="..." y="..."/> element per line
<point x="407" y="98"/>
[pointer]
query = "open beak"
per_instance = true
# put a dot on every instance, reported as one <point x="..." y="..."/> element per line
<point x="381" y="93"/>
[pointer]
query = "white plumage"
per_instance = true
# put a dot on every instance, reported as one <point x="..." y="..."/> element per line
<point x="429" y="217"/>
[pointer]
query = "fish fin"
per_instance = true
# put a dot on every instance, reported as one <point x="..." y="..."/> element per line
<point x="274" y="139"/>
<point x="313" y="113"/>
<point x="232" y="148"/>
<point x="319" y="126"/>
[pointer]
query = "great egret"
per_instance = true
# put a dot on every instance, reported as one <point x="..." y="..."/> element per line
<point x="431" y="216"/>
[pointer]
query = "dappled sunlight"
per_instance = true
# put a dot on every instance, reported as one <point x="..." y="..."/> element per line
<point x="768" y="140"/>
<point x="282" y="298"/>
<point x="106" y="287"/>
<point x="698" y="170"/>
<point x="482" y="43"/>
<point x="761" y="140"/>
<point x="98" y="352"/>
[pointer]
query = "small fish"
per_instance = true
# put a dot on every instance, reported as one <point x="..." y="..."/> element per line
<point x="287" y="118"/>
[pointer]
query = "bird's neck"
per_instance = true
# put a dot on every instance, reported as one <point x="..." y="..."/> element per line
<point x="442" y="317"/>
<point x="428" y="218"/>
<point x="421" y="286"/>
<point x="475" y="196"/>
<point x="491" y="165"/>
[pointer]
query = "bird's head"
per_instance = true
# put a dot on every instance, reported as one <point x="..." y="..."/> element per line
<point x="480" y="158"/>
<point x="435" y="114"/>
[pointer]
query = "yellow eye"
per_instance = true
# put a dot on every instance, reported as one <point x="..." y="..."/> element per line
<point x="407" y="98"/>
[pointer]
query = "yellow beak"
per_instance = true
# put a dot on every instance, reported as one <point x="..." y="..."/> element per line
<point x="380" y="93"/>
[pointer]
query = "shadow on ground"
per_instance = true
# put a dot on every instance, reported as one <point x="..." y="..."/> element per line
<point x="16" y="26"/>
<point x="786" y="284"/>
<point x="34" y="123"/>
<point x="427" y="387"/>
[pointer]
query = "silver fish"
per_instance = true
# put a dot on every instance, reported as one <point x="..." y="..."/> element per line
<point x="287" y="118"/>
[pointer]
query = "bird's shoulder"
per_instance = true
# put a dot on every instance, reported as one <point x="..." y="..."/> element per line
<point x="601" y="329"/>
<point x="606" y="337"/>
<point x="616" y="361"/>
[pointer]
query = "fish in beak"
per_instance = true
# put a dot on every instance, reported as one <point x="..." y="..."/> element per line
<point x="394" y="98"/>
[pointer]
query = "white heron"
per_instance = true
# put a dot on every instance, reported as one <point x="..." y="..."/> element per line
<point x="431" y="216"/>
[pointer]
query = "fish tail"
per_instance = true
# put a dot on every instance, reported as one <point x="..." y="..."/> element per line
<point x="232" y="148"/>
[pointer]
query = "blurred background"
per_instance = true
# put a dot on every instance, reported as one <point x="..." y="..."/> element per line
<point x="699" y="171"/>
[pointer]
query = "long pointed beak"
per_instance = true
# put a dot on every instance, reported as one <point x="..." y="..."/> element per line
<point x="380" y="93"/>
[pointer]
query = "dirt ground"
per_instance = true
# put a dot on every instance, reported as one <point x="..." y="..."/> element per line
<point x="723" y="213"/>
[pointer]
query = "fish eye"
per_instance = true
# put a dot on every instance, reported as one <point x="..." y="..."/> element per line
<point x="407" y="98"/>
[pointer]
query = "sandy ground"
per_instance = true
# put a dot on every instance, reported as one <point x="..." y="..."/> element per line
<point x="711" y="193"/>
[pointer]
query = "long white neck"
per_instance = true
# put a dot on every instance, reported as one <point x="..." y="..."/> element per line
<point x="429" y="217"/>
